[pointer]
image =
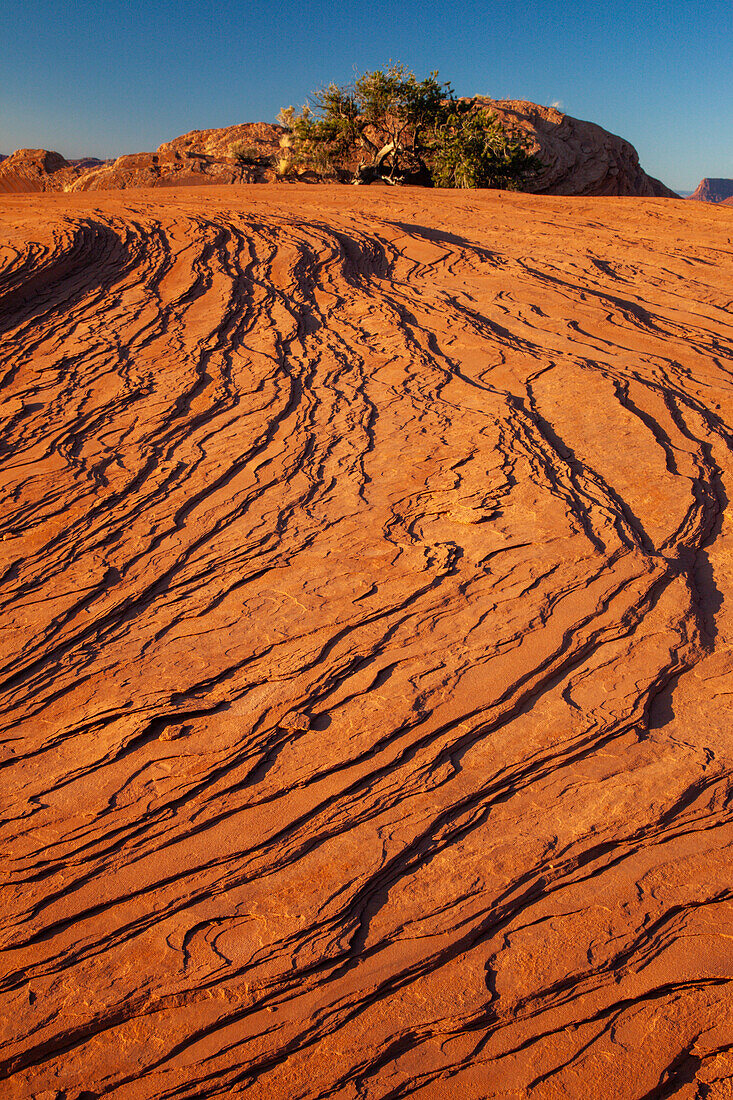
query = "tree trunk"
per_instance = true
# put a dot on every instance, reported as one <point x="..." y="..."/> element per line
<point x="368" y="173"/>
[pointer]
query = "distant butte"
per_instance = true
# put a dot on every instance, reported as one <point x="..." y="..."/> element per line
<point x="713" y="190"/>
<point x="579" y="158"/>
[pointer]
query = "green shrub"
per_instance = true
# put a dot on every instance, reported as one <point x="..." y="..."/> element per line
<point x="250" y="156"/>
<point x="472" y="149"/>
<point x="390" y="126"/>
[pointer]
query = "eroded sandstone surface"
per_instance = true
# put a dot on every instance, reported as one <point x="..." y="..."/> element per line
<point x="367" y="580"/>
<point x="34" y="170"/>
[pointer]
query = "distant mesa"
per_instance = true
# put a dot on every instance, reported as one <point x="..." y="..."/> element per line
<point x="579" y="158"/>
<point x="87" y="162"/>
<point x="713" y="190"/>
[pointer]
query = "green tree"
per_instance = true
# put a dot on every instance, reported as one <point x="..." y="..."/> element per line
<point x="389" y="125"/>
<point x="472" y="149"/>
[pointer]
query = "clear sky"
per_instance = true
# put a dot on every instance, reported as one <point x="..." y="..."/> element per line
<point x="104" y="77"/>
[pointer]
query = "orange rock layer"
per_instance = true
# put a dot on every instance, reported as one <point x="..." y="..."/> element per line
<point x="366" y="645"/>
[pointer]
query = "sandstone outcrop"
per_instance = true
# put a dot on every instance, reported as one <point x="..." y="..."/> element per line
<point x="85" y="163"/>
<point x="162" y="169"/>
<point x="221" y="142"/>
<point x="366" y="646"/>
<point x="579" y="158"/>
<point x="34" y="170"/>
<point x="713" y="190"/>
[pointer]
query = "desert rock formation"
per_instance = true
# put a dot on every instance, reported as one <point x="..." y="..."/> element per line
<point x="34" y="170"/>
<point x="166" y="169"/>
<point x="579" y="158"/>
<point x="713" y="190"/>
<point x="41" y="170"/>
<point x="221" y="142"/>
<point x="366" y="646"/>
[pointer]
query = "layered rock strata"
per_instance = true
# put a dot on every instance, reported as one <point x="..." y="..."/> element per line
<point x="224" y="140"/>
<point x="367" y="581"/>
<point x="713" y="190"/>
<point x="578" y="158"/>
<point x="34" y="170"/>
<point x="41" y="170"/>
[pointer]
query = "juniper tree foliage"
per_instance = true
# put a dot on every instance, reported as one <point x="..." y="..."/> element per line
<point x="389" y="125"/>
<point x="472" y="149"/>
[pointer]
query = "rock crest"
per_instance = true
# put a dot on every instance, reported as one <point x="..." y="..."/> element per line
<point x="580" y="158"/>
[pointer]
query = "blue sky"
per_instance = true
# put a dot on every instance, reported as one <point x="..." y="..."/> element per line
<point x="104" y="77"/>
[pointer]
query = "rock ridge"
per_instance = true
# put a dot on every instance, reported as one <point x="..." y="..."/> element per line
<point x="580" y="158"/>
